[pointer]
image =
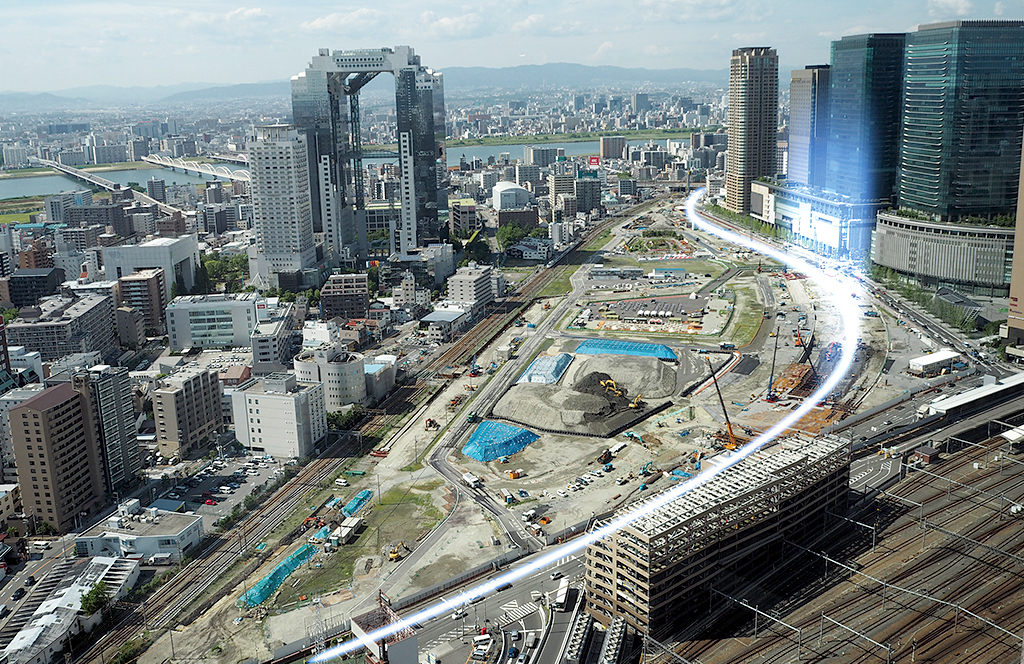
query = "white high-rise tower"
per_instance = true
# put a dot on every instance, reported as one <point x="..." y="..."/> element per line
<point x="281" y="202"/>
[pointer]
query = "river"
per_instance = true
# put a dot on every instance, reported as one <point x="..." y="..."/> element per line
<point x="46" y="185"/>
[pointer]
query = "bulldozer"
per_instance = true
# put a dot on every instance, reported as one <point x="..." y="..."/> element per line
<point x="396" y="551"/>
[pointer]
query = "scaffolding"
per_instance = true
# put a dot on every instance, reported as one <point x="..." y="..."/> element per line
<point x="675" y="554"/>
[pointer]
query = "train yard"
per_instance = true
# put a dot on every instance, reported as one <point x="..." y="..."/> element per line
<point x="922" y="572"/>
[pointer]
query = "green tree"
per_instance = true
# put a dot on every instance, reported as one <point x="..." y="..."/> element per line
<point x="509" y="234"/>
<point x="12" y="531"/>
<point x="539" y="232"/>
<point x="10" y="314"/>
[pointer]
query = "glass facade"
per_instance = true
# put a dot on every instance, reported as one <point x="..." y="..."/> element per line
<point x="866" y="79"/>
<point x="415" y="108"/>
<point x="963" y="113"/>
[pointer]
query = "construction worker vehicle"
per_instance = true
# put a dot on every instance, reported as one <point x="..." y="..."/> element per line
<point x="395" y="553"/>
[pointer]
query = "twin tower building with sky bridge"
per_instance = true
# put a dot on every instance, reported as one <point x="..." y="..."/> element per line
<point x="294" y="198"/>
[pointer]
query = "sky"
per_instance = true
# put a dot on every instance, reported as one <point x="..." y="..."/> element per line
<point x="60" y="44"/>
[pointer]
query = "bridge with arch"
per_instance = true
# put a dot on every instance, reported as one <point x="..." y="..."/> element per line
<point x="199" y="168"/>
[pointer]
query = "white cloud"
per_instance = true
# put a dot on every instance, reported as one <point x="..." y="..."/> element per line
<point x="943" y="8"/>
<point x="604" y="49"/>
<point x="531" y="23"/>
<point x="999" y="9"/>
<point x="361" y="18"/>
<point x="245" y="13"/>
<point x="656" y="51"/>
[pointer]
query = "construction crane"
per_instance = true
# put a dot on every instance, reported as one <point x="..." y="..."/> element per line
<point x="772" y="397"/>
<point x="731" y="445"/>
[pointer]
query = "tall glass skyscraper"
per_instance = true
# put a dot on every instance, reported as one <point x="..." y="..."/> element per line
<point x="808" y="124"/>
<point x="322" y="97"/>
<point x="753" y="122"/>
<point x="963" y="114"/>
<point x="864" y="115"/>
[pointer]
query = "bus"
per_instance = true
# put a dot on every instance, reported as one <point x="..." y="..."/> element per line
<point x="561" y="596"/>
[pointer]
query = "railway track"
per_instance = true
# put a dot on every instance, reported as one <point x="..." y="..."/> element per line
<point x="975" y="579"/>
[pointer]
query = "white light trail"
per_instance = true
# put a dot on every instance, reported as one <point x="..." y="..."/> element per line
<point x="839" y="288"/>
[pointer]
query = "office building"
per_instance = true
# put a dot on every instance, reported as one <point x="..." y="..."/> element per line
<point x="144" y="291"/>
<point x="219" y="320"/>
<point x="148" y="532"/>
<point x="279" y="415"/>
<point x="8" y="401"/>
<point x="612" y="147"/>
<point x="808" y="125"/>
<point x="718" y="535"/>
<point x="177" y="256"/>
<point x="27" y="286"/>
<point x="866" y="79"/>
<point x="345" y="296"/>
<point x="58" y="458"/>
<point x="527" y="173"/>
<point x="539" y="156"/>
<point x="1015" y="319"/>
<point x="130" y="325"/>
<point x="109" y="393"/>
<point x="462" y="216"/>
<point x="476" y="286"/>
<point x="78" y="239"/>
<point x="341" y="372"/>
<point x="753" y="122"/>
<point x="108" y="154"/>
<point x="281" y="202"/>
<point x="560" y="184"/>
<point x="15" y="156"/>
<point x="60" y="326"/>
<point x="325" y="108"/>
<point x="960" y="147"/>
<point x="187" y="409"/>
<point x="272" y="339"/>
<point x="58" y="204"/>
<point x="102" y="214"/>
<point x="588" y="194"/>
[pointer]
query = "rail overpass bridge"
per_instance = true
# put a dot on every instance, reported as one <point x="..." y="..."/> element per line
<point x="213" y="170"/>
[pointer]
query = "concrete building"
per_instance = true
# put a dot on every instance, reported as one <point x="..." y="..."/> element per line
<point x="109" y="393"/>
<point x="272" y="338"/>
<point x="753" y="122"/>
<point x="81" y="238"/>
<point x="825" y="223"/>
<point x="509" y="196"/>
<point x="380" y="377"/>
<point x="25" y="366"/>
<point x="292" y="413"/>
<point x="462" y="215"/>
<point x="15" y="156"/>
<point x="527" y="174"/>
<point x="26" y="286"/>
<point x="558" y="184"/>
<point x="341" y="372"/>
<point x="130" y="325"/>
<point x="157" y="189"/>
<point x="178" y="257"/>
<point x="219" y="320"/>
<point x="714" y="536"/>
<point x="283" y="221"/>
<point x="588" y="194"/>
<point x="539" y="156"/>
<point x="147" y="532"/>
<point x="969" y="258"/>
<point x="8" y="401"/>
<point x="808" y="125"/>
<point x="1015" y="319"/>
<point x="58" y="204"/>
<point x="186" y="407"/>
<point x="476" y="285"/>
<point x="316" y="333"/>
<point x="405" y="295"/>
<point x="612" y="147"/>
<point x="59" y="617"/>
<point x="144" y="291"/>
<point x="103" y="214"/>
<point x="345" y="296"/>
<point x="58" y="457"/>
<point x="60" y="326"/>
<point x="443" y="325"/>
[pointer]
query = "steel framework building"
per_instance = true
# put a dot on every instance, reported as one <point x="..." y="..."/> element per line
<point x="715" y="536"/>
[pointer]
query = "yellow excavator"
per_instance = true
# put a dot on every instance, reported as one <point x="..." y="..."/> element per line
<point x="637" y="403"/>
<point x="610" y="386"/>
<point x="396" y="552"/>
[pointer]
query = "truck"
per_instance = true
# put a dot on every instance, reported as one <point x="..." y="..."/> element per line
<point x="726" y="346"/>
<point x="471" y="480"/>
<point x="160" y="559"/>
<point x="471" y="417"/>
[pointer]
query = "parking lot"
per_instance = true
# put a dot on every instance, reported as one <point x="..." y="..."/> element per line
<point x="214" y="491"/>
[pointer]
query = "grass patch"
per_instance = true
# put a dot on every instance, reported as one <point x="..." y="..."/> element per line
<point x="405" y="514"/>
<point x="600" y="241"/>
<point x="120" y="166"/>
<point x="746" y="319"/>
<point x="15" y="218"/>
<point x="29" y="172"/>
<point x="560" y="285"/>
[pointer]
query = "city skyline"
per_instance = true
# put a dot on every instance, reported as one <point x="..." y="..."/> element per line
<point x="227" y="42"/>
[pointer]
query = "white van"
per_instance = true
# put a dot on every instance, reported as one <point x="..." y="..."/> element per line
<point x="341" y="481"/>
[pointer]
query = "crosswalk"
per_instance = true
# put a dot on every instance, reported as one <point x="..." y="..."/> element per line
<point x="513" y="612"/>
<point x="516" y="614"/>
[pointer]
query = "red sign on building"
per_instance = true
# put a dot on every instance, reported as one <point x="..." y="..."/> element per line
<point x="595" y="161"/>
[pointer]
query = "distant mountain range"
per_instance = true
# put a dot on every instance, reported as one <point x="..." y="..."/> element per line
<point x="456" y="78"/>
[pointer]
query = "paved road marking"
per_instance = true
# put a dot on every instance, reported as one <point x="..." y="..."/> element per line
<point x="508" y="606"/>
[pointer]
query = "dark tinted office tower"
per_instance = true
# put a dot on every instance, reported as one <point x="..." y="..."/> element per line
<point x="808" y="124"/>
<point x="963" y="112"/>
<point x="325" y="107"/>
<point x="866" y="80"/>
<point x="753" y="122"/>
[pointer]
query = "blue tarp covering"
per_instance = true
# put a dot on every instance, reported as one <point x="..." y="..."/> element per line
<point x="547" y="369"/>
<point x="613" y="347"/>
<point x="493" y="440"/>
<point x="357" y="503"/>
<point x="266" y="586"/>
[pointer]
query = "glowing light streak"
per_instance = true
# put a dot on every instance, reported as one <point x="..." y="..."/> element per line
<point x="839" y="288"/>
